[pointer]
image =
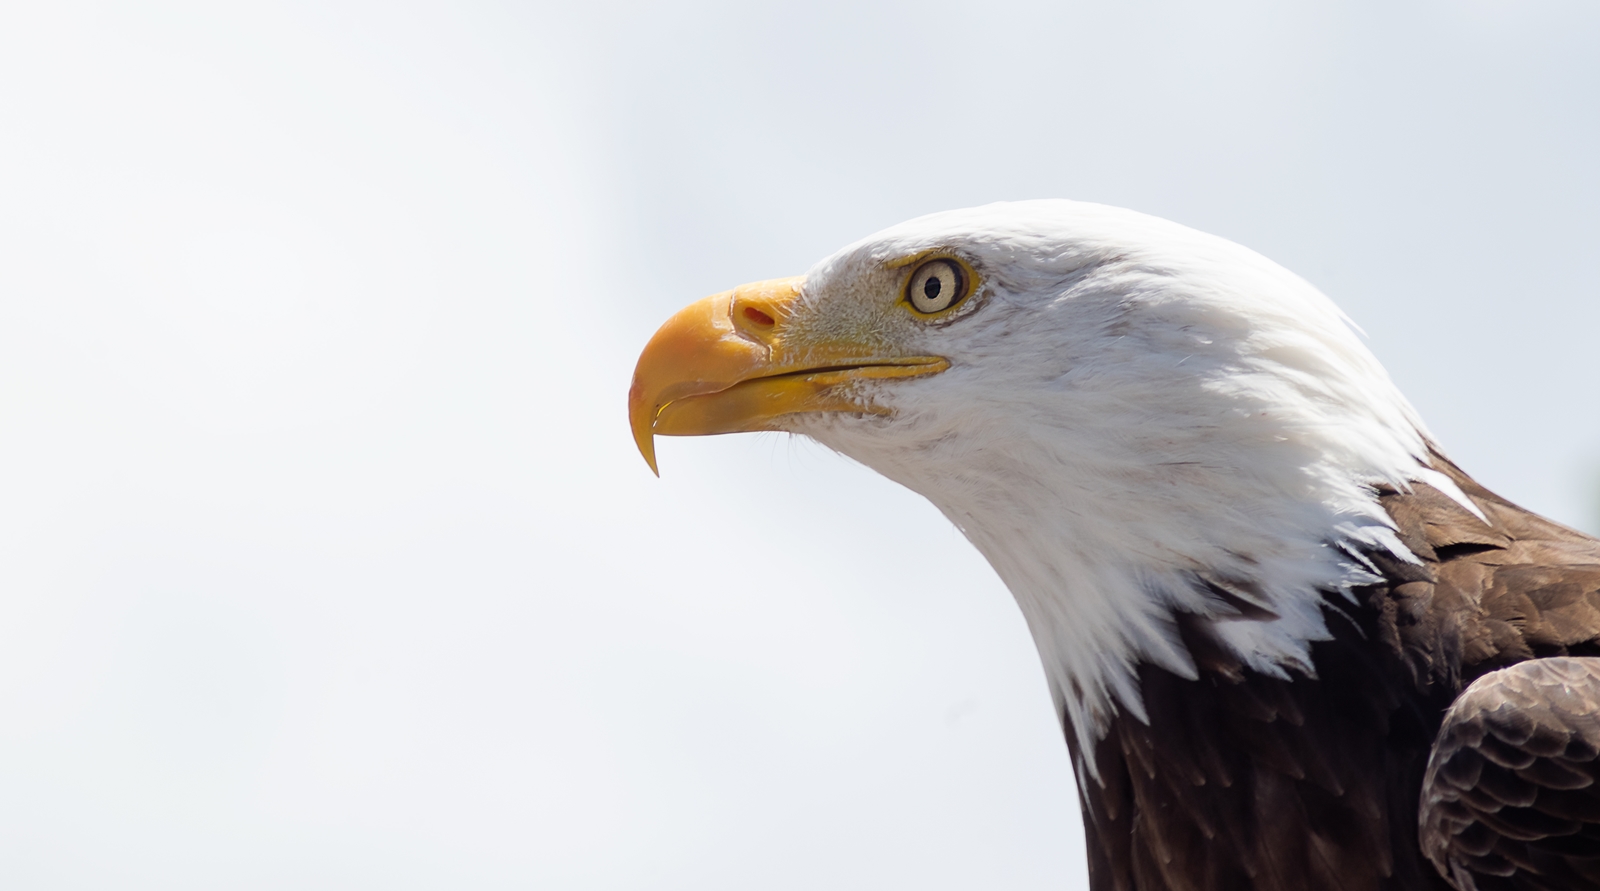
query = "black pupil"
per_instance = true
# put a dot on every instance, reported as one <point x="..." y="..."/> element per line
<point x="931" y="287"/>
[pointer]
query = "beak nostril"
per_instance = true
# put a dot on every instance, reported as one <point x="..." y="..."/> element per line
<point x="759" y="317"/>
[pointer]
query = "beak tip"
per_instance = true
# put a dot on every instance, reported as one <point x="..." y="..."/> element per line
<point x="644" y="436"/>
<point x="641" y="421"/>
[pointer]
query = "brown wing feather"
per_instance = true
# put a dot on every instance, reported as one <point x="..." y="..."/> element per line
<point x="1512" y="795"/>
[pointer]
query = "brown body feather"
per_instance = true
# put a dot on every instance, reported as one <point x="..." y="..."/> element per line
<point x="1244" y="781"/>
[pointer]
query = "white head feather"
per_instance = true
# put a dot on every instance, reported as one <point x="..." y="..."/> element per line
<point x="1134" y="407"/>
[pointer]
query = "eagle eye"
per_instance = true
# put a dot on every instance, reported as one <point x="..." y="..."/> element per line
<point x="936" y="286"/>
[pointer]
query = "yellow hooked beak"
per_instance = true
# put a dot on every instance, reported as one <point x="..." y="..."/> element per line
<point x="730" y="363"/>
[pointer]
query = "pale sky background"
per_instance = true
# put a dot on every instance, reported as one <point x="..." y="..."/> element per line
<point x="326" y="561"/>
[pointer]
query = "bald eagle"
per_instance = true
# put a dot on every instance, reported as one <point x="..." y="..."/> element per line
<point x="1290" y="643"/>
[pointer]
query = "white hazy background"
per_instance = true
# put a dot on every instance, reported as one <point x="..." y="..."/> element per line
<point x="326" y="560"/>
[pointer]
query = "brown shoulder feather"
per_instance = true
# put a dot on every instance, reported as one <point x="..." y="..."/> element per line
<point x="1517" y="587"/>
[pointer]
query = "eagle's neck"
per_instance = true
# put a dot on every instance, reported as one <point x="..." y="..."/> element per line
<point x="1107" y="562"/>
